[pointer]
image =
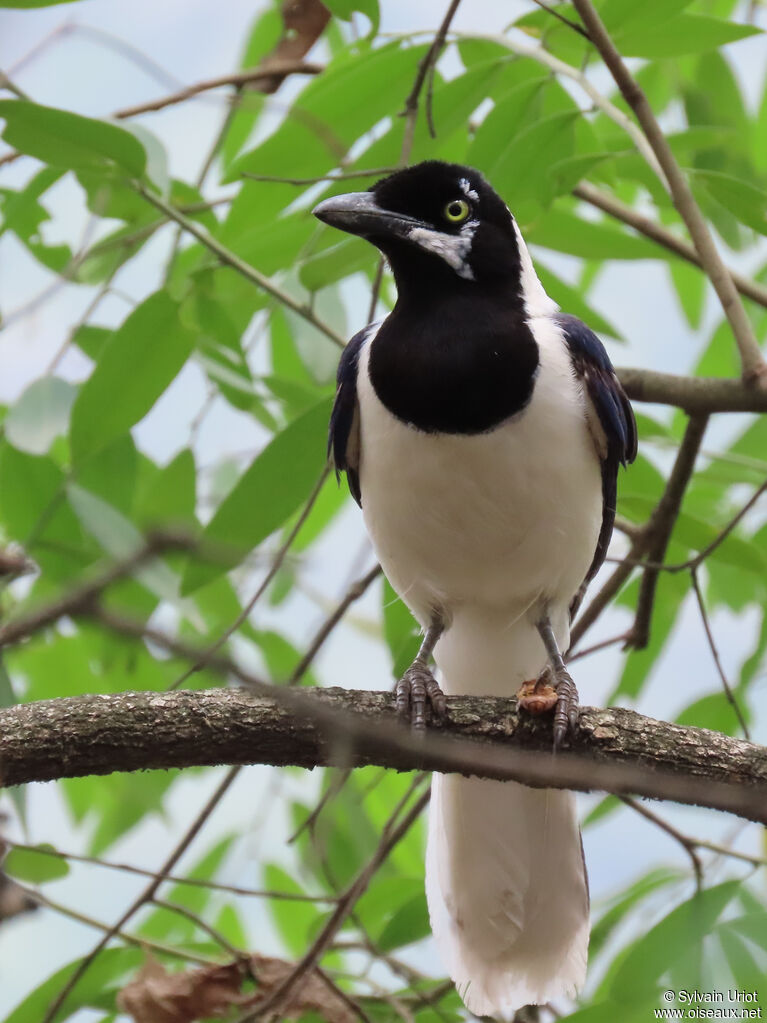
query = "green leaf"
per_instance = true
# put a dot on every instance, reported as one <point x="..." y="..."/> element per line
<point x="642" y="969"/>
<point x="40" y="415"/>
<point x="34" y="511"/>
<point x="686" y="33"/>
<point x="331" y="113"/>
<point x="345" y="8"/>
<point x="690" y="285"/>
<point x="565" y="232"/>
<point x="97" y="988"/>
<point x="35" y="866"/>
<point x="626" y="901"/>
<point x="62" y="139"/>
<point x="135" y="367"/>
<point x="29" y="4"/>
<point x="295" y="920"/>
<point x="744" y="200"/>
<point x="271" y="489"/>
<point x="409" y="923"/>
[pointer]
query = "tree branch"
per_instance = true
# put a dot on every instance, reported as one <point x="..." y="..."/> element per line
<point x="238" y="78"/>
<point x="693" y="394"/>
<point x="615" y="750"/>
<point x="646" y="226"/>
<point x="231" y="259"/>
<point x="753" y="366"/>
<point x="658" y="530"/>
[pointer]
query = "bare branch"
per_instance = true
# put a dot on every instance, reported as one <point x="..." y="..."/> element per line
<point x="693" y="394"/>
<point x="615" y="750"/>
<point x="688" y="844"/>
<point x="658" y="530"/>
<point x="657" y="233"/>
<point x="81" y="596"/>
<point x="147" y="895"/>
<point x="237" y="78"/>
<point x="752" y="363"/>
<point x="616" y="115"/>
<point x="232" y="260"/>
<point x="715" y="654"/>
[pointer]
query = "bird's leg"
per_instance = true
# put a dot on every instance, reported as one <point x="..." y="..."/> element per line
<point x="556" y="676"/>
<point x="418" y="688"/>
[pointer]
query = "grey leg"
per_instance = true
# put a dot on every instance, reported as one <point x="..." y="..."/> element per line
<point x="418" y="688"/>
<point x="566" y="711"/>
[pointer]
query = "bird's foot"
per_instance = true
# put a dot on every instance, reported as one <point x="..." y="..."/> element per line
<point x="552" y="690"/>
<point x="417" y="690"/>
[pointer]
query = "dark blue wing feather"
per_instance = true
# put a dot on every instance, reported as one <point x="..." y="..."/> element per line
<point x="343" y="439"/>
<point x="592" y="365"/>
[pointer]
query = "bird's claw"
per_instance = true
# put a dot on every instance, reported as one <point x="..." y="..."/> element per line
<point x="552" y="691"/>
<point x="566" y="711"/>
<point x="414" y="692"/>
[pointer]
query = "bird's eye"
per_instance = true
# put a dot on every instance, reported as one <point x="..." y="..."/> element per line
<point x="456" y="211"/>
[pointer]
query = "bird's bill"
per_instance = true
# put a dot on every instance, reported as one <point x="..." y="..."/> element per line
<point x="359" y="213"/>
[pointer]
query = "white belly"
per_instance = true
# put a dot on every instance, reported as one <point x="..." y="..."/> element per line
<point x="501" y="520"/>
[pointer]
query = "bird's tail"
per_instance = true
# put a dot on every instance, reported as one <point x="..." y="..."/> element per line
<point x="505" y="877"/>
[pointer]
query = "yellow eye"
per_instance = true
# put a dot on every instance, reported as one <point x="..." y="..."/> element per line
<point x="456" y="211"/>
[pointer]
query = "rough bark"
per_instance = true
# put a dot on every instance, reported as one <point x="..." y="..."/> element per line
<point x="615" y="750"/>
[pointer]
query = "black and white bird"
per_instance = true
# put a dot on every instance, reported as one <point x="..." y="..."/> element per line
<point x="481" y="431"/>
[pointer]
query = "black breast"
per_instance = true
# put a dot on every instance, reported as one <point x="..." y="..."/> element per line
<point x="458" y="368"/>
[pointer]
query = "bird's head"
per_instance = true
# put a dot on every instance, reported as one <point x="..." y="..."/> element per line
<point x="440" y="224"/>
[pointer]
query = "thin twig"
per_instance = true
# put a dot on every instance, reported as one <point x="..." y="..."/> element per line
<point x="754" y="368"/>
<point x="616" y="115"/>
<point x="715" y="654"/>
<point x="232" y="260"/>
<point x="429" y="59"/>
<point x="350" y="175"/>
<point x="145" y="896"/>
<point x="392" y="834"/>
<point x="80" y="597"/>
<point x="195" y="882"/>
<point x="354" y="592"/>
<point x="560" y="17"/>
<point x="661" y="524"/>
<point x="618" y="210"/>
<point x="274" y="568"/>
<point x="131" y="939"/>
<point x="9" y="86"/>
<point x="686" y="843"/>
<point x="172" y="907"/>
<point x="237" y="78"/>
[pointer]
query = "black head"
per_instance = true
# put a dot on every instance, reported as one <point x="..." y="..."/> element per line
<point x="438" y="224"/>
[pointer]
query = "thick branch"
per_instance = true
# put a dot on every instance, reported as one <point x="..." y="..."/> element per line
<point x="616" y="750"/>
<point x="693" y="394"/>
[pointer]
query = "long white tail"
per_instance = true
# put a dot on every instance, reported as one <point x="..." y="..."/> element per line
<point x="505" y="876"/>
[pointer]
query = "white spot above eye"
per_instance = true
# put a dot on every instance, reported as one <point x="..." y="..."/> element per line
<point x="453" y="248"/>
<point x="467" y="190"/>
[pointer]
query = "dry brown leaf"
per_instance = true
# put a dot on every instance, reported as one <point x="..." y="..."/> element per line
<point x="304" y="22"/>
<point x="156" y="996"/>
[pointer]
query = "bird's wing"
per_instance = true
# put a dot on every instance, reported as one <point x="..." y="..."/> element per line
<point x="610" y="419"/>
<point x="344" y="434"/>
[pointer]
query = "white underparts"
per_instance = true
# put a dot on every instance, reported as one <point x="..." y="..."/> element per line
<point x="453" y="248"/>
